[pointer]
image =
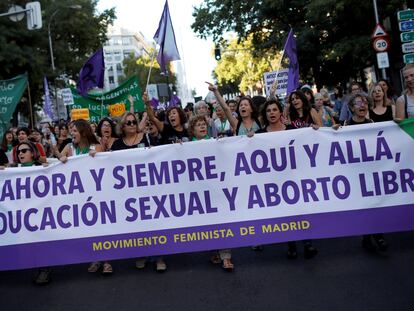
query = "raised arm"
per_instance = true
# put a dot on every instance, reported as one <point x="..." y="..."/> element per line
<point x="143" y="122"/>
<point x="151" y="114"/>
<point x="400" y="108"/>
<point x="233" y="121"/>
<point x="316" y="117"/>
<point x="131" y="102"/>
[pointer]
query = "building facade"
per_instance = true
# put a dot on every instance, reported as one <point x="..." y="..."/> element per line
<point x="120" y="45"/>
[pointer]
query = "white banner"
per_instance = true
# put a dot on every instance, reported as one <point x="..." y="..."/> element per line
<point x="282" y="79"/>
<point x="233" y="179"/>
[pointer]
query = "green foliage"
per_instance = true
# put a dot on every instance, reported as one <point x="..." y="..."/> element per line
<point x="140" y="67"/>
<point x="333" y="36"/>
<point x="75" y="34"/>
<point x="241" y="65"/>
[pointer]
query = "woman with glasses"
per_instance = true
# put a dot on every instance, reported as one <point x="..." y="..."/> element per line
<point x="28" y="155"/>
<point x="106" y="133"/>
<point x="131" y="136"/>
<point x="359" y="104"/>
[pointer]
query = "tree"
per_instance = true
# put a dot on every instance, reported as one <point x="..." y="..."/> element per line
<point x="140" y="66"/>
<point x="333" y="36"/>
<point x="243" y="66"/>
<point x="76" y="34"/>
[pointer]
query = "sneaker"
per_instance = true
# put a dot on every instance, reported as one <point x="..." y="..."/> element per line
<point x="292" y="252"/>
<point x="43" y="276"/>
<point x="161" y="266"/>
<point x="140" y="263"/>
<point x="382" y="245"/>
<point x="257" y="248"/>
<point x="309" y="251"/>
<point x="367" y="244"/>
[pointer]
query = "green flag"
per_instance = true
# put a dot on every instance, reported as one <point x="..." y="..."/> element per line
<point x="408" y="126"/>
<point x="112" y="100"/>
<point x="10" y="93"/>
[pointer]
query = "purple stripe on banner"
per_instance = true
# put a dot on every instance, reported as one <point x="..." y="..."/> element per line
<point x="230" y="235"/>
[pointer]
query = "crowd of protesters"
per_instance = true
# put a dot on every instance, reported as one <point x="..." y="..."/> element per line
<point x="245" y="116"/>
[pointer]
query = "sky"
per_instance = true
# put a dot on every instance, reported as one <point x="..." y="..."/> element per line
<point x="144" y="16"/>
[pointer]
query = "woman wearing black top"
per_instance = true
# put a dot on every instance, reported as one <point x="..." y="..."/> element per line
<point x="381" y="109"/>
<point x="131" y="137"/>
<point x="173" y="131"/>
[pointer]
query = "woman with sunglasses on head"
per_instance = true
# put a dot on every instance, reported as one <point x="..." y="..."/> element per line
<point x="106" y="133"/>
<point x="131" y="137"/>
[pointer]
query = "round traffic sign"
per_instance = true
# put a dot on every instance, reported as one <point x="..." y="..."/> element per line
<point x="381" y="44"/>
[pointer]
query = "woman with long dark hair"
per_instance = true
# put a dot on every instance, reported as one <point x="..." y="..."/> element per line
<point x="83" y="141"/>
<point x="246" y="121"/>
<point x="300" y="113"/>
<point x="106" y="132"/>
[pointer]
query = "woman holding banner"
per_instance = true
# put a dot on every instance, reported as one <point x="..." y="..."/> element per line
<point x="131" y="136"/>
<point x="84" y="142"/>
<point x="359" y="104"/>
<point x="28" y="155"/>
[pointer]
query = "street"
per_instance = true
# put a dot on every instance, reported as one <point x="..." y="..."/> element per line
<point x="342" y="277"/>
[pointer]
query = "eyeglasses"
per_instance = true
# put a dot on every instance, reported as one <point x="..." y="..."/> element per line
<point x="359" y="102"/>
<point x="129" y="123"/>
<point x="106" y="125"/>
<point x="24" y="150"/>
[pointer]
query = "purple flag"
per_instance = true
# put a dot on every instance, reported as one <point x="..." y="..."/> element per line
<point x="291" y="52"/>
<point x="174" y="101"/>
<point x="166" y="39"/>
<point x="47" y="107"/>
<point x="92" y="73"/>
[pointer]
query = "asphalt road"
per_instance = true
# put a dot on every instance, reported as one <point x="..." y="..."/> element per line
<point x="342" y="277"/>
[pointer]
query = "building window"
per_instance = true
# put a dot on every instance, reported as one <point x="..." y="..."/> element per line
<point x="119" y="68"/>
<point x="126" y="41"/>
<point x="111" y="80"/>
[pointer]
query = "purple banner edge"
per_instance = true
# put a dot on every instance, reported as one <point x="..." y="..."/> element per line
<point x="322" y="225"/>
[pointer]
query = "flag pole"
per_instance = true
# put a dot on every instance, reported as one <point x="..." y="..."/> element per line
<point x="149" y="73"/>
<point x="30" y="104"/>
<point x="102" y="104"/>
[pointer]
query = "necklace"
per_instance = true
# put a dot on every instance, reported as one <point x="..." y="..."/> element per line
<point x="131" y="142"/>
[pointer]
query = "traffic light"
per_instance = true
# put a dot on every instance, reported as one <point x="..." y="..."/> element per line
<point x="217" y="54"/>
<point x="34" y="15"/>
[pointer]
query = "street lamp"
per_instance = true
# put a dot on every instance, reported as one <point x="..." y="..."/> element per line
<point x="74" y="7"/>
